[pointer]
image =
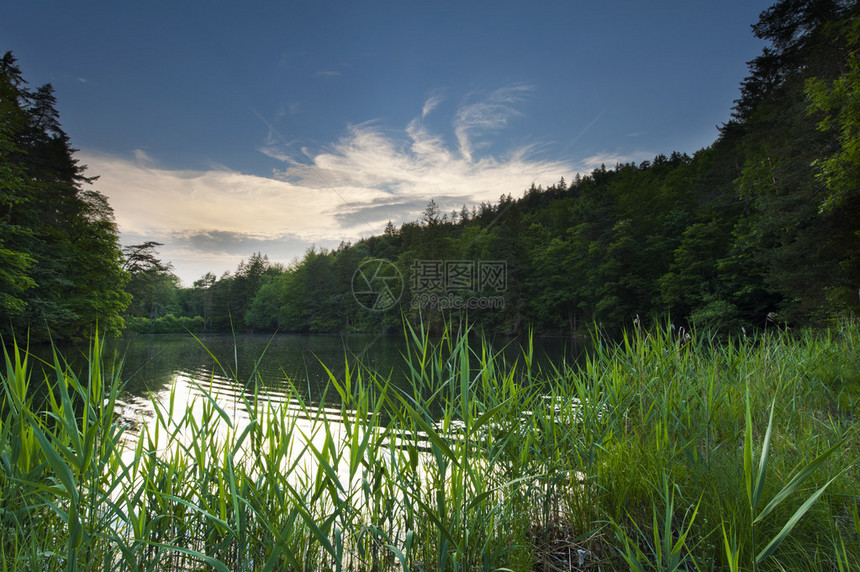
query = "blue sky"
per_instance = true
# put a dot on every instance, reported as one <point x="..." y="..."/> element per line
<point x="222" y="129"/>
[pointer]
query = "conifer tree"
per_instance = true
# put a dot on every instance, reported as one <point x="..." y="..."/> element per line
<point x="60" y="260"/>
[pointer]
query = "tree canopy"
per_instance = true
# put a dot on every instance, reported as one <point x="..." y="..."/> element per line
<point x="60" y="260"/>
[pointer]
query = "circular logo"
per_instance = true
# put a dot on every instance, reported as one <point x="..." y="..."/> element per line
<point x="377" y="285"/>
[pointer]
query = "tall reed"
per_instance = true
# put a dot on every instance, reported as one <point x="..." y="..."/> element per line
<point x="660" y="452"/>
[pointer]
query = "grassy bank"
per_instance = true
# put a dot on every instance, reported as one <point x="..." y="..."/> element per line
<point x="656" y="453"/>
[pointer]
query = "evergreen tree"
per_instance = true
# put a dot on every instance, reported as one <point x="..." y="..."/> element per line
<point x="805" y="251"/>
<point x="60" y="261"/>
<point x="152" y="285"/>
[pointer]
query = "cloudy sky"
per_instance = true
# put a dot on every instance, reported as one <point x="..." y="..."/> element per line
<point x="223" y="128"/>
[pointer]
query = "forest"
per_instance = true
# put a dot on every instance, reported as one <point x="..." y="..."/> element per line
<point x="61" y="269"/>
<point x="758" y="228"/>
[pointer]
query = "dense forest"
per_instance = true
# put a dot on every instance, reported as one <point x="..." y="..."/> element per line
<point x="758" y="228"/>
<point x="60" y="258"/>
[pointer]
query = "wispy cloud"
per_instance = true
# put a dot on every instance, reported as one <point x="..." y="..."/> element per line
<point x="431" y="103"/>
<point x="147" y="198"/>
<point x="230" y="242"/>
<point x="372" y="171"/>
<point x="327" y="74"/>
<point x="486" y="115"/>
<point x="350" y="188"/>
<point x="143" y="158"/>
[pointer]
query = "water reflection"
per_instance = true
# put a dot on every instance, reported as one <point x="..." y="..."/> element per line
<point x="231" y="366"/>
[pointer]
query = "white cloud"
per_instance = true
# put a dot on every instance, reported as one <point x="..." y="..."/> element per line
<point x="347" y="190"/>
<point x="489" y="114"/>
<point x="152" y="203"/>
<point x="431" y="103"/>
<point x="143" y="158"/>
<point x="369" y="168"/>
<point x="149" y="199"/>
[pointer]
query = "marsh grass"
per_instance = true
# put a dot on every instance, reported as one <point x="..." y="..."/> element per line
<point x="656" y="453"/>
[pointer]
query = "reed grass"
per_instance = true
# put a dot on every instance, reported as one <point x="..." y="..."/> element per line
<point x="658" y="452"/>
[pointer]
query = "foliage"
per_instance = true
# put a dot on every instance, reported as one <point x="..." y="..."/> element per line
<point x="60" y="261"/>
<point x="662" y="452"/>
<point x="152" y="285"/>
<point x="839" y="101"/>
<point x="167" y="324"/>
<point x="791" y="161"/>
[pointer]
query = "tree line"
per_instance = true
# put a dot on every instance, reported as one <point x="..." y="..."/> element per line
<point x="759" y="227"/>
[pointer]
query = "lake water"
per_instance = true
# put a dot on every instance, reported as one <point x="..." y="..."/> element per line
<point x="227" y="366"/>
<point x="191" y="374"/>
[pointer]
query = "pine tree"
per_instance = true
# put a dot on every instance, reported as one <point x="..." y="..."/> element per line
<point x="61" y="262"/>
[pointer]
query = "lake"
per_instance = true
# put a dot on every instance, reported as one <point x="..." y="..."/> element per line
<point x="227" y="366"/>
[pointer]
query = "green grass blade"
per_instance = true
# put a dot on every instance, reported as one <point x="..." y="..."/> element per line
<point x="60" y="468"/>
<point x="797" y="481"/>
<point x="777" y="540"/>
<point x="223" y="414"/>
<point x="214" y="563"/>
<point x="762" y="465"/>
<point x="732" y="552"/>
<point x="748" y="446"/>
